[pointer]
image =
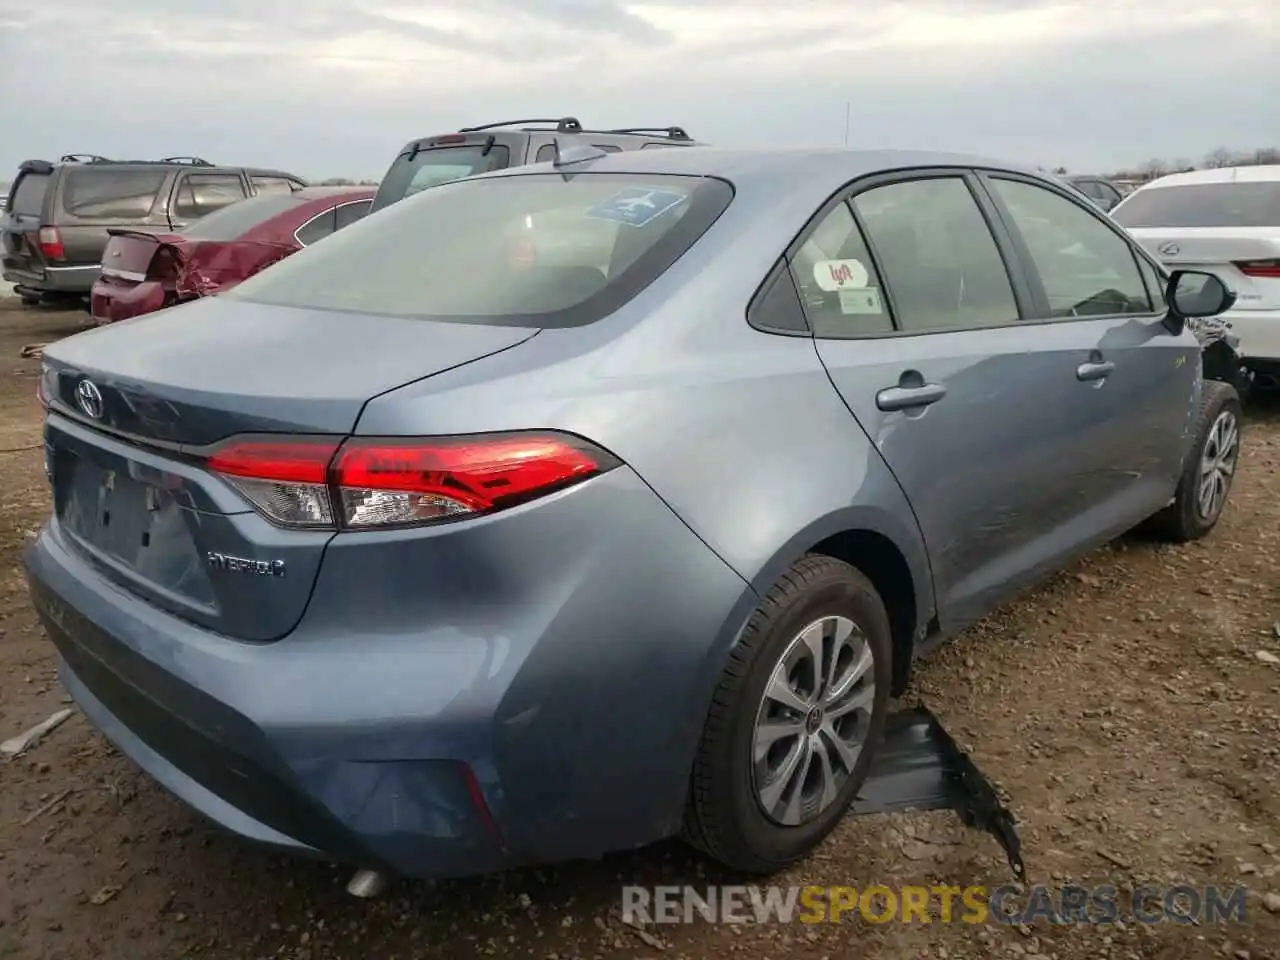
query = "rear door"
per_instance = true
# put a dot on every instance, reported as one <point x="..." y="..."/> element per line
<point x="917" y="304"/>
<point x="27" y="195"/>
<point x="198" y="194"/>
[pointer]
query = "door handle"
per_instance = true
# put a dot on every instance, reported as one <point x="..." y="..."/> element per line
<point x="1094" y="370"/>
<point x="905" y="398"/>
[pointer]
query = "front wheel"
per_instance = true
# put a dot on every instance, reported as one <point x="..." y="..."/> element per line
<point x="1210" y="469"/>
<point x="796" y="717"/>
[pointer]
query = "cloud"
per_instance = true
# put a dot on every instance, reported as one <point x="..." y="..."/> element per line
<point x="335" y="86"/>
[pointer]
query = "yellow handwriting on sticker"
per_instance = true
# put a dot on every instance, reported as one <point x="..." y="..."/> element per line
<point x="1181" y="361"/>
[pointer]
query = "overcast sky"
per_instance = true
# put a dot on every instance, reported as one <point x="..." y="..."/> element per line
<point x="335" y="87"/>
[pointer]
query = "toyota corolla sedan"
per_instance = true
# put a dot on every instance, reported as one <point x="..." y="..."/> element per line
<point x="570" y="507"/>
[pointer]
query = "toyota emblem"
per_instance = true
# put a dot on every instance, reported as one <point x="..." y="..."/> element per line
<point x="89" y="398"/>
<point x="1169" y="249"/>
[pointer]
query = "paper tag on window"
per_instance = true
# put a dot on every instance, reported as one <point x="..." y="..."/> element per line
<point x="833" y="275"/>
<point x="866" y="300"/>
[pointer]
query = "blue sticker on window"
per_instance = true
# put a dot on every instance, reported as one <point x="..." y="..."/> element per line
<point x="636" y="205"/>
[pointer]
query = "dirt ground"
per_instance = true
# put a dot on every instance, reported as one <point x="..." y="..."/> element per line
<point x="1123" y="707"/>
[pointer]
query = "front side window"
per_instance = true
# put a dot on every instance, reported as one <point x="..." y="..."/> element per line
<point x="1156" y="283"/>
<point x="937" y="255"/>
<point x="203" y="193"/>
<point x="1087" y="269"/>
<point x="527" y="250"/>
<point x="837" y="281"/>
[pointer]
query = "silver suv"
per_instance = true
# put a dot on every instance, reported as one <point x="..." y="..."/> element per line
<point x="511" y="143"/>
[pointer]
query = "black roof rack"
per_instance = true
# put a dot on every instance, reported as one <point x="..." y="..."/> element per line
<point x="191" y="161"/>
<point x="95" y="158"/>
<point x="672" y="133"/>
<point x="563" y="124"/>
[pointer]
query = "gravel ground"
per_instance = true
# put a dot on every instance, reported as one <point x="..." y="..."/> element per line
<point x="1123" y="707"/>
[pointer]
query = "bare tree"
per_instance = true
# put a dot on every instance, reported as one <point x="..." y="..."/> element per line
<point x="1155" y="167"/>
<point x="1222" y="157"/>
<point x="1183" y="165"/>
<point x="1266" y="155"/>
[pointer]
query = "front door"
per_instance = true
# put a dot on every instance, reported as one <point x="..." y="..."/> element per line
<point x="1086" y="273"/>
<point x="981" y="416"/>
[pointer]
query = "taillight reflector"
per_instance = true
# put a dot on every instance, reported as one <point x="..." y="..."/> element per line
<point x="50" y="241"/>
<point x="1259" y="268"/>
<point x="369" y="483"/>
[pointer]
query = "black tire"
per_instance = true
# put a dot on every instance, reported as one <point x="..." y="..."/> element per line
<point x="1183" y="520"/>
<point x="30" y="301"/>
<point x="724" y="818"/>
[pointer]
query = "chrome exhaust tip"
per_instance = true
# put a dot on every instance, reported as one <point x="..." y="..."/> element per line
<point x="368" y="884"/>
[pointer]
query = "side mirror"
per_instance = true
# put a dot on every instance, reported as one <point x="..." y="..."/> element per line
<point x="1192" y="294"/>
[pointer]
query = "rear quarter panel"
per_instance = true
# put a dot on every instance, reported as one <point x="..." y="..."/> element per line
<point x="739" y="431"/>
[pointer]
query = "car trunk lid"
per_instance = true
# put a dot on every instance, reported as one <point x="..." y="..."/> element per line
<point x="1247" y="259"/>
<point x="188" y="267"/>
<point x="136" y="407"/>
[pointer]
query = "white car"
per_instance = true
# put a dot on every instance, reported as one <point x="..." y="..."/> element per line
<point x="1226" y="221"/>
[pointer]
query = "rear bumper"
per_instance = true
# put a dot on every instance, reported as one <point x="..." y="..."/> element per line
<point x="68" y="280"/>
<point x="110" y="300"/>
<point x="1259" y="333"/>
<point x="562" y="672"/>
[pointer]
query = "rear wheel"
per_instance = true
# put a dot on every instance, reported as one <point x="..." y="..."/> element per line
<point x="797" y="715"/>
<point x="1206" y="478"/>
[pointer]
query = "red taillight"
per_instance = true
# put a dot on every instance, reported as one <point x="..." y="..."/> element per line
<point x="371" y="483"/>
<point x="50" y="241"/>
<point x="1259" y="268"/>
<point x="451" y="138"/>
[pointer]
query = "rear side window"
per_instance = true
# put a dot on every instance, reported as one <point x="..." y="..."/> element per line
<point x="200" y="194"/>
<point x="547" y="151"/>
<point x="111" y="194"/>
<point x="435" y="166"/>
<point x="237" y="219"/>
<point x="938" y="256"/>
<point x="538" y="250"/>
<point x="1248" y="204"/>
<point x="28" y="194"/>
<point x="265" y="185"/>
<point x="837" y="282"/>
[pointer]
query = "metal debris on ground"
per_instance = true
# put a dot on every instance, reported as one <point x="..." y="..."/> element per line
<point x="920" y="767"/>
<point x="34" y="351"/>
<point x="19" y="745"/>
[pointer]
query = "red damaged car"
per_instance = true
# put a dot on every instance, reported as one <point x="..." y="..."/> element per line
<point x="144" y="272"/>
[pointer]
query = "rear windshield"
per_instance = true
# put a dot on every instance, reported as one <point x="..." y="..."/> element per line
<point x="111" y="194"/>
<point x="1251" y="204"/>
<point x="538" y="250"/>
<point x="28" y="194"/>
<point x="434" y="166"/>
<point x="234" y="221"/>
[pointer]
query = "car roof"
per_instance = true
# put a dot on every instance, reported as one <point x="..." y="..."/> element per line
<point x="803" y="174"/>
<point x="1263" y="172"/>
<point x="319" y="193"/>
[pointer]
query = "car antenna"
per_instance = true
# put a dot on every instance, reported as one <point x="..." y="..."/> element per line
<point x="574" y="153"/>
